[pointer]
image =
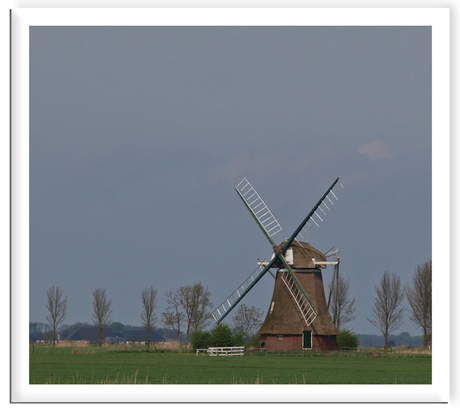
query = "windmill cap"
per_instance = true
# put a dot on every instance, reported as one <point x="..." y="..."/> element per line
<point x="303" y="253"/>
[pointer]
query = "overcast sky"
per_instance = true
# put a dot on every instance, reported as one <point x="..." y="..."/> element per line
<point x="138" y="136"/>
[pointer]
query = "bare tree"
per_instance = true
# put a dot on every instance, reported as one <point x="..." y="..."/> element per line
<point x="196" y="301"/>
<point x="419" y="297"/>
<point x="149" y="304"/>
<point x="57" y="308"/>
<point x="388" y="309"/>
<point x="173" y="317"/>
<point x="248" y="320"/>
<point x="102" y="315"/>
<point x="190" y="305"/>
<point x="341" y="307"/>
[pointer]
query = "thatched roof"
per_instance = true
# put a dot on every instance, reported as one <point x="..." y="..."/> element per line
<point x="283" y="316"/>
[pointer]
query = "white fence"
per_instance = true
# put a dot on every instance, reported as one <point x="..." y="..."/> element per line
<point x="223" y="351"/>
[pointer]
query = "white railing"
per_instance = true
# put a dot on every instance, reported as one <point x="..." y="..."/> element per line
<point x="223" y="351"/>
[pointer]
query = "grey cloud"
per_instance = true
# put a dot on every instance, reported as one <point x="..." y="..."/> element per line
<point x="375" y="150"/>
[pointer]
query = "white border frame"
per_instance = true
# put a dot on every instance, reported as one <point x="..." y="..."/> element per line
<point x="21" y="391"/>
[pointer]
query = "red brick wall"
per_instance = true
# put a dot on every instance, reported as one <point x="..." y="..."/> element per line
<point x="294" y="342"/>
<point x="288" y="342"/>
<point x="322" y="342"/>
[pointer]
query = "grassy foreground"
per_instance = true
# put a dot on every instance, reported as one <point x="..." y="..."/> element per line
<point x="94" y="365"/>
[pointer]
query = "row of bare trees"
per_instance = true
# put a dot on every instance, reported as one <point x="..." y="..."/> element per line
<point x="102" y="311"/>
<point x="388" y="309"/>
<point x="56" y="304"/>
<point x="188" y="307"/>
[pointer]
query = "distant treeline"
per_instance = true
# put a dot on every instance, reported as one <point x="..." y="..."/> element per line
<point x="403" y="339"/>
<point x="42" y="331"/>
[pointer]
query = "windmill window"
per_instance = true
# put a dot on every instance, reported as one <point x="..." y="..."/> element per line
<point x="271" y="306"/>
<point x="280" y="337"/>
<point x="289" y="256"/>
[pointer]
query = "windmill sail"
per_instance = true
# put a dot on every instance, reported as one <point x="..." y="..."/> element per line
<point x="228" y="304"/>
<point x="259" y="210"/>
<point x="325" y="199"/>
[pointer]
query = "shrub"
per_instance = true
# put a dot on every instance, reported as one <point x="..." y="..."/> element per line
<point x="200" y="339"/>
<point x="238" y="339"/>
<point x="221" y="335"/>
<point x="347" y="339"/>
<point x="254" y="341"/>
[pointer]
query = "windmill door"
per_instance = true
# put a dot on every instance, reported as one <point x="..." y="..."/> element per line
<point x="307" y="339"/>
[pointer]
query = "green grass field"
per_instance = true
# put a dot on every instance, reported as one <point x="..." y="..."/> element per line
<point x="92" y="365"/>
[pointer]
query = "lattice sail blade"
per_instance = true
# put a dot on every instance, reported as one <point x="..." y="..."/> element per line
<point x="314" y="216"/>
<point x="331" y="252"/>
<point x="306" y="309"/>
<point x="305" y="306"/>
<point x="228" y="304"/>
<point x="258" y="209"/>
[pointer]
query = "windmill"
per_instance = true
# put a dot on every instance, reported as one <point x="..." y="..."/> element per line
<point x="298" y="315"/>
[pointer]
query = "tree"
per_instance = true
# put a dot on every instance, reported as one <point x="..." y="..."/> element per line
<point x="57" y="308"/>
<point x="419" y="297"/>
<point x="196" y="301"/>
<point x="341" y="307"/>
<point x="188" y="306"/>
<point x="102" y="315"/>
<point x="248" y="320"/>
<point x="149" y="304"/>
<point x="173" y="317"/>
<point x="388" y="310"/>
